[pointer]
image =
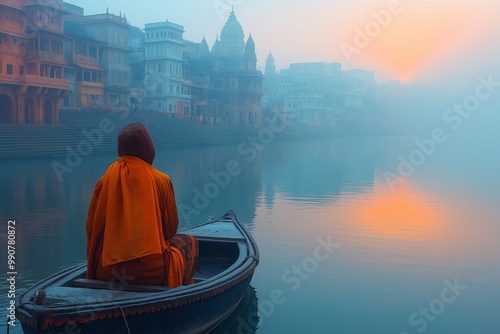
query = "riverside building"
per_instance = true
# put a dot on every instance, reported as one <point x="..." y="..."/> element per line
<point x="167" y="87"/>
<point x="32" y="61"/>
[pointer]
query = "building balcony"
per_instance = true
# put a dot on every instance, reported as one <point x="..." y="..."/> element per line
<point x="37" y="24"/>
<point x="6" y="79"/>
<point x="106" y="16"/>
<point x="13" y="50"/>
<point x="46" y="55"/>
<point x="38" y="81"/>
<point x="85" y="60"/>
<point x="13" y="3"/>
<point x="83" y="84"/>
<point x="52" y="4"/>
<point x="9" y="27"/>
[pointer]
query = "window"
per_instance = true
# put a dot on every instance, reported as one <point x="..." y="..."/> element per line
<point x="1" y="68"/>
<point x="159" y="67"/>
<point x="44" y="44"/>
<point x="9" y="16"/>
<point x="159" y="88"/>
<point x="10" y="69"/>
<point x="21" y="69"/>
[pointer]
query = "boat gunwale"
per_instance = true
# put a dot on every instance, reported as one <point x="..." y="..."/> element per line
<point x="242" y="268"/>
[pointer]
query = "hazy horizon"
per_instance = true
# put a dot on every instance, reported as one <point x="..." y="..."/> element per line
<point x="418" y="42"/>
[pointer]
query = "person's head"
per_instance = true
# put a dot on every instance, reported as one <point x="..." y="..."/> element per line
<point x="134" y="140"/>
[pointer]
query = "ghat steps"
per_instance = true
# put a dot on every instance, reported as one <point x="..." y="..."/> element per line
<point x="30" y="141"/>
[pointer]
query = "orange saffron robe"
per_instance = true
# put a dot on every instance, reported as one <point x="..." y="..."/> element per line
<point x="131" y="217"/>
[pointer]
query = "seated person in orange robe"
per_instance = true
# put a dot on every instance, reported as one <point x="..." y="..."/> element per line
<point x="132" y="220"/>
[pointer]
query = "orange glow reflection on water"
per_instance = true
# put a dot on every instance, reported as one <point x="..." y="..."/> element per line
<point x="412" y="227"/>
<point x="403" y="214"/>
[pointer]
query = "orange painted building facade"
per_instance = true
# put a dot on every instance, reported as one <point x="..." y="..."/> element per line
<point x="32" y="61"/>
<point x="85" y="74"/>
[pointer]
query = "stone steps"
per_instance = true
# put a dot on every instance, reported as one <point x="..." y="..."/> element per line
<point x="49" y="140"/>
<point x="46" y="141"/>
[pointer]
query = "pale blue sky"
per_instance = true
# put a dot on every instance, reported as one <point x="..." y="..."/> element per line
<point x="422" y="40"/>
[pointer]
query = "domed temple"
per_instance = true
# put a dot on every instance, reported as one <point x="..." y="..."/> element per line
<point x="227" y="87"/>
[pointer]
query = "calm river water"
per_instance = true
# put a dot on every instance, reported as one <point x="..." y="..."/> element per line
<point x="348" y="243"/>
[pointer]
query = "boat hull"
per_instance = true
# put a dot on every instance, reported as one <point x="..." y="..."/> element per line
<point x="72" y="304"/>
<point x="195" y="318"/>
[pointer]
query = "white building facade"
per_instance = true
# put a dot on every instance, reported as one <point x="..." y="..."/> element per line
<point x="166" y="87"/>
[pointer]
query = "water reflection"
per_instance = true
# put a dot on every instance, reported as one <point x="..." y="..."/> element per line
<point x="396" y="249"/>
<point x="245" y="318"/>
<point x="208" y="182"/>
<point x="318" y="171"/>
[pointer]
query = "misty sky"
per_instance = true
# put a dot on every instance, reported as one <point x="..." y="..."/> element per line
<point x="445" y="41"/>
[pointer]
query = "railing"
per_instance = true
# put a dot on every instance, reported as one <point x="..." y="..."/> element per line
<point x="94" y="106"/>
<point x="56" y="4"/>
<point x="85" y="60"/>
<point x="11" y="79"/>
<point x="46" y="55"/>
<point x="8" y="48"/>
<point x="11" y="27"/>
<point x="107" y="16"/>
<point x="82" y="84"/>
<point x="13" y="3"/>
<point x="41" y="24"/>
<point x="35" y="80"/>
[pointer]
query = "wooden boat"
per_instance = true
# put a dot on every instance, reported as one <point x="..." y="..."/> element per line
<point x="67" y="302"/>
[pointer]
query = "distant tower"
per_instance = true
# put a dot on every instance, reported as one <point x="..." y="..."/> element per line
<point x="232" y="38"/>
<point x="250" y="56"/>
<point x="204" y="50"/>
<point x="216" y="46"/>
<point x="270" y="66"/>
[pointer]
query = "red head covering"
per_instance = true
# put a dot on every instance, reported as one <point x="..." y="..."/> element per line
<point x="134" y="140"/>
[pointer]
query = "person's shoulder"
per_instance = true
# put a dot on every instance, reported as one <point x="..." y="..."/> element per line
<point x="159" y="175"/>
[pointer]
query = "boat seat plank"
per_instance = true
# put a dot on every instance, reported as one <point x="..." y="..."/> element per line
<point x="60" y="295"/>
<point x="97" y="284"/>
<point x="222" y="229"/>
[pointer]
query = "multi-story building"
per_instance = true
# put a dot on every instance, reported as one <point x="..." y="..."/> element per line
<point x="227" y="87"/>
<point x="319" y="93"/>
<point x="357" y="89"/>
<point x="32" y="61"/>
<point x="101" y="48"/>
<point x="167" y="88"/>
<point x="84" y="72"/>
<point x="137" y="67"/>
<point x="308" y="91"/>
